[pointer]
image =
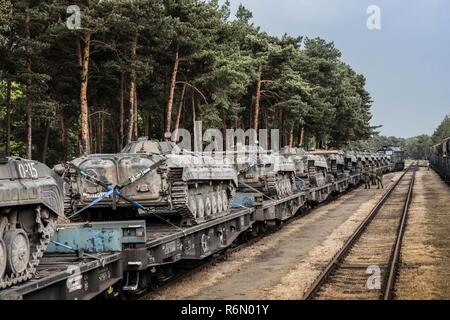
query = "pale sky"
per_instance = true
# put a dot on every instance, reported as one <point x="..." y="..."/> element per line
<point x="406" y="63"/>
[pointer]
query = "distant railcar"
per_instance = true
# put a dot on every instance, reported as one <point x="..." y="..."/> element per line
<point x="397" y="156"/>
<point x="439" y="159"/>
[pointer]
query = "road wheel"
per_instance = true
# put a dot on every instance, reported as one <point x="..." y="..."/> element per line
<point x="18" y="251"/>
<point x="3" y="258"/>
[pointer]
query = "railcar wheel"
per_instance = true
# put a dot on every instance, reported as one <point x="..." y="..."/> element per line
<point x="3" y="258"/>
<point x="200" y="207"/>
<point x="225" y="200"/>
<point x="18" y="251"/>
<point x="213" y="203"/>
<point x="193" y="205"/>
<point x="208" y="208"/>
<point x="219" y="202"/>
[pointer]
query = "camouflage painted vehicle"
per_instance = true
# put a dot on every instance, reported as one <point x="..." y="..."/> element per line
<point x="149" y="178"/>
<point x="264" y="171"/>
<point x="31" y="199"/>
<point x="388" y="163"/>
<point x="384" y="162"/>
<point x="317" y="170"/>
<point x="299" y="156"/>
<point x="335" y="161"/>
<point x="361" y="160"/>
<point x="352" y="164"/>
<point x="366" y="159"/>
<point x="377" y="160"/>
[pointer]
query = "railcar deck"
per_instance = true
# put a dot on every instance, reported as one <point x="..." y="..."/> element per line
<point x="70" y="277"/>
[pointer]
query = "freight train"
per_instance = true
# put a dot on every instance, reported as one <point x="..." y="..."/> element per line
<point x="159" y="205"/>
<point x="152" y="178"/>
<point x="439" y="160"/>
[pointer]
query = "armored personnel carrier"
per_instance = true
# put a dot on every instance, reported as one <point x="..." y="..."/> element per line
<point x="351" y="162"/>
<point x="300" y="158"/>
<point x="149" y="178"/>
<point x="317" y="170"/>
<point x="31" y="199"/>
<point x="335" y="161"/>
<point x="264" y="171"/>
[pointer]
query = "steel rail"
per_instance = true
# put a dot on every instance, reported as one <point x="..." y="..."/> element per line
<point x="333" y="264"/>
<point x="395" y="256"/>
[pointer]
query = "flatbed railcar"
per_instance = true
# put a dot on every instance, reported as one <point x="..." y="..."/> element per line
<point x="132" y="256"/>
<point x="67" y="276"/>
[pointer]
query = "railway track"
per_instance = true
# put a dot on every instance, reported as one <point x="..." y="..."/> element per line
<point x="366" y="266"/>
<point x="187" y="269"/>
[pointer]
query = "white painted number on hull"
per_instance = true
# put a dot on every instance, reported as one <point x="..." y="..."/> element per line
<point x="27" y="170"/>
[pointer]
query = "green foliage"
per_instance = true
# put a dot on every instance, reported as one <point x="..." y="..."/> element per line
<point x="442" y="131"/>
<point x="415" y="148"/>
<point x="306" y="84"/>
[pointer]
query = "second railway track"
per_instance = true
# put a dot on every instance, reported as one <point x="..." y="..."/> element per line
<point x="366" y="266"/>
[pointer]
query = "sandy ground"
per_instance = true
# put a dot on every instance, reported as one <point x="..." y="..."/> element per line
<point x="282" y="265"/>
<point x="425" y="257"/>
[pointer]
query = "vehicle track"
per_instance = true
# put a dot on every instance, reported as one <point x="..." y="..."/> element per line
<point x="366" y="266"/>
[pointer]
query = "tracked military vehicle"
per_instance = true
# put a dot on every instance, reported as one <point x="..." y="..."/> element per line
<point x="149" y="179"/>
<point x="299" y="156"/>
<point x="31" y="199"/>
<point x="318" y="170"/>
<point x="264" y="171"/>
<point x="335" y="162"/>
<point x="351" y="162"/>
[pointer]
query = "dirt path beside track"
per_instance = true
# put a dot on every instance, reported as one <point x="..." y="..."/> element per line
<point x="425" y="255"/>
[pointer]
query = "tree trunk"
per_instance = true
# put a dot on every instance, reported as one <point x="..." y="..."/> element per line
<point x="266" y="126"/>
<point x="8" y="118"/>
<point x="102" y="132"/>
<point x="224" y="121"/>
<point x="171" y="93"/>
<point x="257" y="100"/>
<point x="84" y="109"/>
<point x="132" y="98"/>
<point x="46" y="137"/>
<point x="91" y="134"/>
<point x="300" y="136"/>
<point x="147" y="125"/>
<point x="62" y="126"/>
<point x="291" y="136"/>
<point x="193" y="109"/>
<point x="29" y="105"/>
<point x="179" y="111"/>
<point x="114" y="125"/>
<point x="121" y="109"/>
<point x="135" y="129"/>
<point x="79" y="53"/>
<point x="282" y="131"/>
